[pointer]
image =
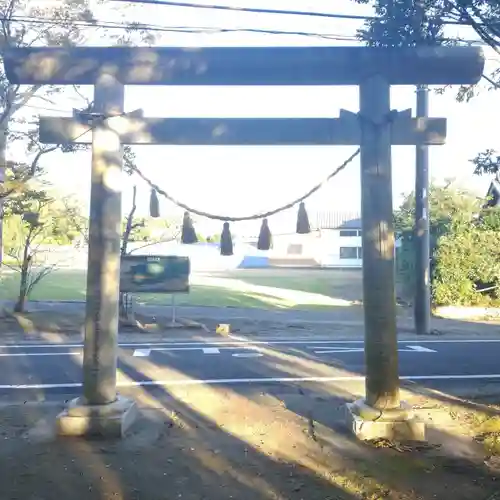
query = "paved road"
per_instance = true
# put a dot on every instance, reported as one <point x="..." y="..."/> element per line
<point x="56" y="369"/>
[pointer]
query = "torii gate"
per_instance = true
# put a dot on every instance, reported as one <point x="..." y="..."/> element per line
<point x="375" y="129"/>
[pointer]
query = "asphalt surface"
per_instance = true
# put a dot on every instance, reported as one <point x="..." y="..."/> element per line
<point x="49" y="370"/>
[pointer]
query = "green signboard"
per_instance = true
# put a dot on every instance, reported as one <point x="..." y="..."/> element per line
<point x="154" y="274"/>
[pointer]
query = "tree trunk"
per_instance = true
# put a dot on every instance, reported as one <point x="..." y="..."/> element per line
<point x="122" y="304"/>
<point x="20" y="304"/>
<point x="25" y="267"/>
<point x="23" y="289"/>
<point x="3" y="147"/>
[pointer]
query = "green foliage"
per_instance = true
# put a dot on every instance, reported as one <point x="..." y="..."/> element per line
<point x="405" y="267"/>
<point x="448" y="204"/>
<point x="146" y="229"/>
<point x="57" y="217"/>
<point x="33" y="218"/>
<point x="407" y="23"/>
<point x="467" y="268"/>
<point x="465" y="248"/>
<point x="452" y="210"/>
<point x="60" y="29"/>
<point x="486" y="163"/>
<point x="24" y="23"/>
<point x="490" y="219"/>
<point x="404" y="24"/>
<point x="464" y="241"/>
<point x="407" y="20"/>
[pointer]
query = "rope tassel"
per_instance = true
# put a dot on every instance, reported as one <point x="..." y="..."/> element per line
<point x="188" y="236"/>
<point x="226" y="241"/>
<point x="265" y="239"/>
<point x="303" y="226"/>
<point x="154" y="204"/>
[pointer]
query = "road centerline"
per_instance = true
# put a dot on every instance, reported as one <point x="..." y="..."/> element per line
<point x="256" y="380"/>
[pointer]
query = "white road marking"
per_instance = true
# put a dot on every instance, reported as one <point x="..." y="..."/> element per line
<point x="210" y="350"/>
<point x="142" y="353"/>
<point x="234" y="381"/>
<point x="10" y="354"/>
<point x="292" y="341"/>
<point x="248" y="354"/>
<point x="419" y="348"/>
<point x="339" y="350"/>
<point x="204" y="350"/>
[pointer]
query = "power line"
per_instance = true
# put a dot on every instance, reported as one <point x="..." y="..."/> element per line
<point x="469" y="21"/>
<point x="176" y="29"/>
<point x="351" y="17"/>
<point x="134" y="26"/>
<point x="250" y="9"/>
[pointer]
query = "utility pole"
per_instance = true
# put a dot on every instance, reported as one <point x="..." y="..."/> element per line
<point x="422" y="308"/>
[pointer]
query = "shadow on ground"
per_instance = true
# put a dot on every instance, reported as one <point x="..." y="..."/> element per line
<point x="275" y="441"/>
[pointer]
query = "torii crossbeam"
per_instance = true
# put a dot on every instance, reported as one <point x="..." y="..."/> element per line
<point x="375" y="128"/>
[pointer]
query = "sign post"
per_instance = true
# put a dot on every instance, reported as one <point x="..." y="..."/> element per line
<point x="375" y="128"/>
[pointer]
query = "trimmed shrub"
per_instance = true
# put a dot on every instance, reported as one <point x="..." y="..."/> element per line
<point x="467" y="266"/>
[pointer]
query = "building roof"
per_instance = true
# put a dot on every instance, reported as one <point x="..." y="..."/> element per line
<point x="337" y="220"/>
<point x="351" y="224"/>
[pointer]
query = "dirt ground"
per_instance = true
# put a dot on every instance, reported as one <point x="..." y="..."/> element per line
<point x="59" y="324"/>
<point x="215" y="444"/>
<point x="70" y="323"/>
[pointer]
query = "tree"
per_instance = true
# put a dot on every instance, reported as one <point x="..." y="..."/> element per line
<point x="14" y="32"/>
<point x="65" y="23"/>
<point x="467" y="270"/>
<point x="134" y="229"/>
<point x="430" y="16"/>
<point x="487" y="163"/>
<point x="30" y="218"/>
<point x="400" y="23"/>
<point x="417" y="22"/>
<point x="403" y="23"/>
<point x="465" y="240"/>
<point x="448" y="205"/>
<point x="130" y="224"/>
<point x="25" y="23"/>
<point x="62" y="229"/>
<point x="138" y="229"/>
<point x="450" y="208"/>
<point x="59" y="30"/>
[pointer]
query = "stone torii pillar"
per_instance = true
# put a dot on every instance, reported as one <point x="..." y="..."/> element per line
<point x="375" y="129"/>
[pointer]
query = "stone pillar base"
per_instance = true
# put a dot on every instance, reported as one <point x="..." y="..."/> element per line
<point x="368" y="423"/>
<point x="106" y="421"/>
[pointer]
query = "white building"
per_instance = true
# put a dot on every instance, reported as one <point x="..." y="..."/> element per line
<point x="334" y="241"/>
<point x="341" y="246"/>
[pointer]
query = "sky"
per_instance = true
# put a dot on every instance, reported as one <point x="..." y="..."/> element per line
<point x="239" y="181"/>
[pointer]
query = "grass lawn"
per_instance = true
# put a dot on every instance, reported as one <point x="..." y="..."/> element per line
<point x="263" y="288"/>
